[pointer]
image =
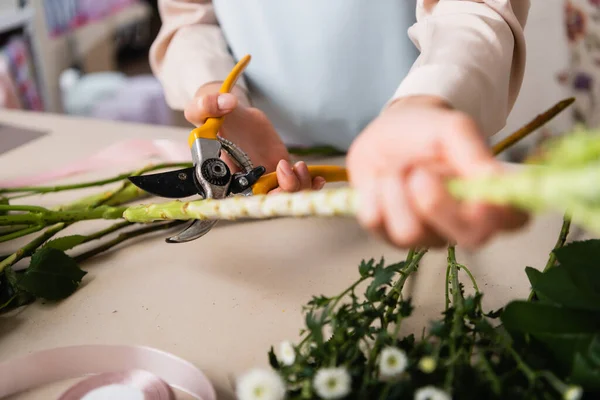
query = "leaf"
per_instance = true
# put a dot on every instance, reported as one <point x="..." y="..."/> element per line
<point x="365" y="267"/>
<point x="66" y="242"/>
<point x="564" y="332"/>
<point x="557" y="286"/>
<point x="494" y="314"/>
<point x="582" y="261"/>
<point x="524" y="316"/>
<point x="11" y="295"/>
<point x="564" y="348"/>
<point x="382" y="276"/>
<point x="585" y="374"/>
<point x="315" y="327"/>
<point x="273" y="359"/>
<point x="51" y="275"/>
<point x="406" y="308"/>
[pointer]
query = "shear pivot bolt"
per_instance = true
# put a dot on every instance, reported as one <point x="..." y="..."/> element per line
<point x="243" y="181"/>
<point x="182" y="176"/>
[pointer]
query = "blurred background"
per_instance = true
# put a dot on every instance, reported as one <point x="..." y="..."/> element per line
<point x="90" y="58"/>
<point x="82" y="57"/>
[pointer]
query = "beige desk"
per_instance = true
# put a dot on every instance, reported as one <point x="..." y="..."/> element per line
<point x="222" y="301"/>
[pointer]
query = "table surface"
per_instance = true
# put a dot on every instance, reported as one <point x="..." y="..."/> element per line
<point x="222" y="301"/>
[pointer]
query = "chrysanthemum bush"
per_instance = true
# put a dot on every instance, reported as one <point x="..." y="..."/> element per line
<point x="544" y="347"/>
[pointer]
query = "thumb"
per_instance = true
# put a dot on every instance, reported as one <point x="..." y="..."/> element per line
<point x="210" y="105"/>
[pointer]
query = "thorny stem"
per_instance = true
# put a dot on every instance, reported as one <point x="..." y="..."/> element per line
<point x="537" y="122"/>
<point x="457" y="304"/>
<point x="48" y="217"/>
<point x="447" y="289"/>
<point x="30" y="247"/>
<point x="473" y="281"/>
<point x="521" y="364"/>
<point x="101" y="182"/>
<point x="560" y="242"/>
<point x="21" y="233"/>
<point x="113" y="228"/>
<point x="12" y="207"/>
<point x="410" y="268"/>
<point x="126" y="236"/>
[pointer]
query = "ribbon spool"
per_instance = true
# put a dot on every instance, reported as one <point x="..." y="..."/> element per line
<point x="117" y="373"/>
<point x="130" y="385"/>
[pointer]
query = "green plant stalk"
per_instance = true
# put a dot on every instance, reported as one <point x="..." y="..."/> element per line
<point x="30" y="247"/>
<point x="51" y="217"/>
<point x="101" y="182"/>
<point x="124" y="237"/>
<point x="20" y="233"/>
<point x="123" y="195"/>
<point x="457" y="304"/>
<point x="107" y="231"/>
<point x="560" y="242"/>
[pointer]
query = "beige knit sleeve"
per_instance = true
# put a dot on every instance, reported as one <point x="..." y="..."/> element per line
<point x="472" y="55"/>
<point x="189" y="51"/>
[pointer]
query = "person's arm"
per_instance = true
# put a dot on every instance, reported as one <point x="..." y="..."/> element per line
<point x="190" y="51"/>
<point x="472" y="57"/>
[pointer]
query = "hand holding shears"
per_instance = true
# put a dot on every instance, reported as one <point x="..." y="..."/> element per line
<point x="210" y="177"/>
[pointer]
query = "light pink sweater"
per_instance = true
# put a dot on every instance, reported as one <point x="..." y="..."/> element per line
<point x="472" y="53"/>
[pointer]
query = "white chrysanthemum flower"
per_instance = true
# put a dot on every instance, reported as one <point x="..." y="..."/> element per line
<point x="287" y="355"/>
<point x="392" y="362"/>
<point x="332" y="383"/>
<point x="573" y="393"/>
<point x="431" y="393"/>
<point x="427" y="364"/>
<point x="260" y="384"/>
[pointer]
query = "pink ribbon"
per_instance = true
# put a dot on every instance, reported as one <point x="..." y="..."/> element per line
<point x="54" y="365"/>
<point x="126" y="154"/>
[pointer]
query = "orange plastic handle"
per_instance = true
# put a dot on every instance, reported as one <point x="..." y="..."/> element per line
<point x="330" y="173"/>
<point x="211" y="126"/>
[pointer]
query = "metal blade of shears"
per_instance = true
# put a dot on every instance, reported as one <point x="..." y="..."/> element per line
<point x="173" y="184"/>
<point x="194" y="231"/>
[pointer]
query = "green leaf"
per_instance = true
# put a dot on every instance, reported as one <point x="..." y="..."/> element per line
<point x="365" y="267"/>
<point x="319" y="301"/>
<point x="66" y="242"/>
<point x="494" y="314"/>
<point x="527" y="317"/>
<point x="51" y="275"/>
<point x="564" y="347"/>
<point x="557" y="286"/>
<point x="315" y="326"/>
<point x="273" y="359"/>
<point x="585" y="374"/>
<point x="582" y="261"/>
<point x="382" y="276"/>
<point x="406" y="308"/>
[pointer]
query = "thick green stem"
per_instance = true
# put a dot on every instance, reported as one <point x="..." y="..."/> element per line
<point x="20" y="233"/>
<point x="101" y="182"/>
<point x="123" y="195"/>
<point x="126" y="236"/>
<point x="30" y="247"/>
<point x="107" y="231"/>
<point x="536" y="123"/>
<point x="51" y="217"/>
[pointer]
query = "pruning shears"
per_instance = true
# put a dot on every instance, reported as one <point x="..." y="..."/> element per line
<point x="210" y="177"/>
